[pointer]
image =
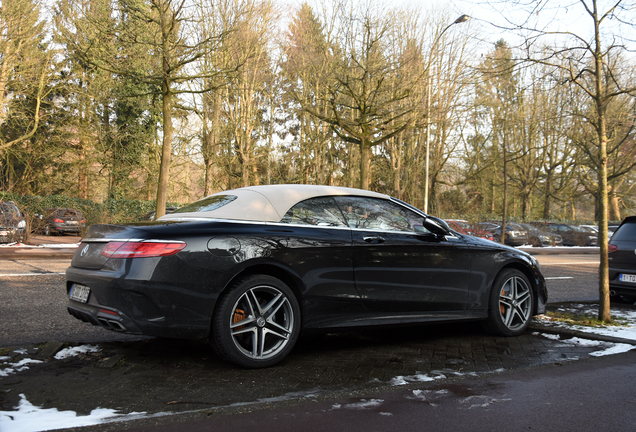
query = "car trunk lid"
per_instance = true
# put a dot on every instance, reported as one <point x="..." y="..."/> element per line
<point x="89" y="253"/>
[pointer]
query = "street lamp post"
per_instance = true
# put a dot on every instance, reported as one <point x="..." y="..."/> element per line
<point x="429" y="80"/>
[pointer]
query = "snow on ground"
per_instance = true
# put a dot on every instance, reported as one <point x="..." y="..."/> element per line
<point x="625" y="318"/>
<point x="7" y="368"/>
<point x="74" y="351"/>
<point x="29" y="418"/>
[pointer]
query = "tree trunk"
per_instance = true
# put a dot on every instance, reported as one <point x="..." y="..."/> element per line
<point x="166" y="151"/>
<point x="365" y="158"/>
<point x="505" y="192"/>
<point x="548" y="196"/>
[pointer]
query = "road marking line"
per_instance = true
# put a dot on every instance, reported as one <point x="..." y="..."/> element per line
<point x="561" y="277"/>
<point x="570" y="263"/>
<point x="31" y="274"/>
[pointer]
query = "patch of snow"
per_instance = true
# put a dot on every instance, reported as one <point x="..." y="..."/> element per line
<point x="29" y="418"/>
<point x="609" y="348"/>
<point x="625" y="331"/>
<point x="17" y="367"/>
<point x="403" y="380"/>
<point x="385" y="414"/>
<point x="480" y="401"/>
<point x="74" y="351"/>
<point x="362" y="405"/>
<point x="431" y="376"/>
<point x="615" y="349"/>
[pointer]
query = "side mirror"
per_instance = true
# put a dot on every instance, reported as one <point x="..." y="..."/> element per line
<point x="437" y="226"/>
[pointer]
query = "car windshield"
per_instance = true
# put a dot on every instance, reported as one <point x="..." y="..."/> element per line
<point x="207" y="204"/>
<point x="7" y="209"/>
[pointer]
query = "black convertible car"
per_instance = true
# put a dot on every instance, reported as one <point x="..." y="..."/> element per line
<point x="249" y="268"/>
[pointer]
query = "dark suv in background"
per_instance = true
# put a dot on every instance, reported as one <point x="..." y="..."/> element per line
<point x="62" y="220"/>
<point x="622" y="261"/>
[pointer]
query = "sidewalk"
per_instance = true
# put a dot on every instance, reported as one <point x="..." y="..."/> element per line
<point x="41" y="246"/>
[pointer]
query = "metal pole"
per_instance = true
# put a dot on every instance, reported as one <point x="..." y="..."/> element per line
<point x="429" y="86"/>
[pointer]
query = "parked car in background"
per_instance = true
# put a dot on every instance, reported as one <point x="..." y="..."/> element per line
<point x="539" y="238"/>
<point x="592" y="235"/>
<point x="571" y="235"/>
<point x="12" y="222"/>
<point x="62" y="221"/>
<point x="516" y="235"/>
<point x="465" y="227"/>
<point x="249" y="269"/>
<point x="622" y="261"/>
<point x="611" y="229"/>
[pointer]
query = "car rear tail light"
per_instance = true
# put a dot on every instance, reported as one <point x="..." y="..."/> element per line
<point x="141" y="249"/>
<point x="612" y="248"/>
<point x="58" y="220"/>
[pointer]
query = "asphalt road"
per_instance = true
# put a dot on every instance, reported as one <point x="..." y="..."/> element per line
<point x="570" y="277"/>
<point x="33" y="306"/>
<point x="564" y="397"/>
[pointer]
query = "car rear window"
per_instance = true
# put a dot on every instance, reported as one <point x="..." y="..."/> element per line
<point x="626" y="232"/>
<point x="207" y="204"/>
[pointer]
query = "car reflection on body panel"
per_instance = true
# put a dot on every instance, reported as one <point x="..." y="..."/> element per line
<point x="465" y="227"/>
<point x="249" y="268"/>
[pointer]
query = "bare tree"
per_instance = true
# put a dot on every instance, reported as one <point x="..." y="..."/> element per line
<point x="587" y="64"/>
<point x="170" y="30"/>
<point x="25" y="67"/>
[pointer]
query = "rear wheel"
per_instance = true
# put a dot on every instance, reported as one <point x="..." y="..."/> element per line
<point x="510" y="305"/>
<point x="256" y="323"/>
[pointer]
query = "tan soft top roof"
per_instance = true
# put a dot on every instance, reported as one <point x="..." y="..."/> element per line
<point x="269" y="203"/>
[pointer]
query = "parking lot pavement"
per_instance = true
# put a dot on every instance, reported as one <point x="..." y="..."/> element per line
<point x="170" y="376"/>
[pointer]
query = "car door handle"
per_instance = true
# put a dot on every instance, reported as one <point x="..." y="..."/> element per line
<point x="373" y="239"/>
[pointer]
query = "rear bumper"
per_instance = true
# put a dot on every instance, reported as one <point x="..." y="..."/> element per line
<point x="618" y="287"/>
<point x="148" y="300"/>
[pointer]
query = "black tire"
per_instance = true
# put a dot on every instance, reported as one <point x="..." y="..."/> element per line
<point x="510" y="304"/>
<point x="256" y="323"/>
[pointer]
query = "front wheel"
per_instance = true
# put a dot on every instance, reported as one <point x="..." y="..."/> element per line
<point x="256" y="322"/>
<point x="510" y="304"/>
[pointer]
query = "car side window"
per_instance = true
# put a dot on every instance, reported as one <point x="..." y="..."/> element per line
<point x="321" y="211"/>
<point x="378" y="214"/>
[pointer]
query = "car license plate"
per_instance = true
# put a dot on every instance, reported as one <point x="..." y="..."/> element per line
<point x="4" y="233"/>
<point x="72" y="222"/>
<point x="80" y="293"/>
<point x="627" y="278"/>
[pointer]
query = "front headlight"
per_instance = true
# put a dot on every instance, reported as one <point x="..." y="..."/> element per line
<point x="22" y="224"/>
<point x="544" y="238"/>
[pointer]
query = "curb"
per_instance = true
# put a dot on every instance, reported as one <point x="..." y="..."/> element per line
<point x="576" y="333"/>
<point x="9" y="253"/>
